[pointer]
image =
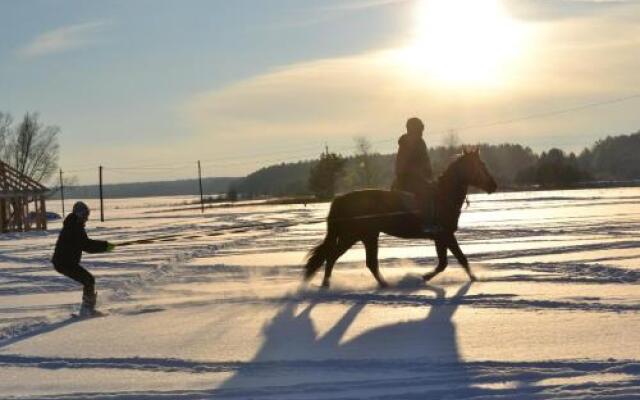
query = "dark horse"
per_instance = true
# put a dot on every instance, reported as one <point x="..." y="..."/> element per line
<point x="362" y="215"/>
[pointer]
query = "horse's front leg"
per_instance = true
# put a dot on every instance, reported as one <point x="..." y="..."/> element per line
<point x="441" y="249"/>
<point x="452" y="242"/>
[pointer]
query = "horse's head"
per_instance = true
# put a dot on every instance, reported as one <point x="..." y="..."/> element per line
<point x="475" y="172"/>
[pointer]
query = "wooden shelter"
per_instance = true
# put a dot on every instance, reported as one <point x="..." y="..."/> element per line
<point x="22" y="202"/>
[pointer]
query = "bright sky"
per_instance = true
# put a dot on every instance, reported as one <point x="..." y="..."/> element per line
<point x="243" y="84"/>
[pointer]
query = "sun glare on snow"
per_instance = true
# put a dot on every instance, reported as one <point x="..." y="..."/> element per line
<point x="463" y="42"/>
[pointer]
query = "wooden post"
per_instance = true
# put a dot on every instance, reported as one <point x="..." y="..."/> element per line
<point x="3" y="215"/>
<point x="101" y="198"/>
<point x="200" y="181"/>
<point x="27" y="220"/>
<point x="4" y="207"/>
<point x="62" y="193"/>
<point x="18" y="212"/>
<point x="36" y="205"/>
<point x="43" y="210"/>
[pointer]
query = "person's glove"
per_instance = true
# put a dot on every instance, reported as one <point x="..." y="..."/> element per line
<point x="110" y="246"/>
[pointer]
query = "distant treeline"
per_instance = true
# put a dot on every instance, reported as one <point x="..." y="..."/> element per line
<point x="613" y="158"/>
<point x="513" y="165"/>
<point x="145" y="189"/>
<point x="377" y="171"/>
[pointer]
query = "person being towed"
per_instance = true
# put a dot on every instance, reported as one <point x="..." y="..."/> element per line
<point x="72" y="241"/>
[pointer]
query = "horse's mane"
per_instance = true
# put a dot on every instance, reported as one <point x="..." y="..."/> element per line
<point x="453" y="164"/>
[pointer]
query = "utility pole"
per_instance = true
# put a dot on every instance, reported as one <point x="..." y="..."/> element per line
<point x="101" y="198"/>
<point x="62" y="192"/>
<point x="200" y="181"/>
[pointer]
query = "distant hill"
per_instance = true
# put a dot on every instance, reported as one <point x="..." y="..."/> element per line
<point x="210" y="186"/>
<point x="276" y="180"/>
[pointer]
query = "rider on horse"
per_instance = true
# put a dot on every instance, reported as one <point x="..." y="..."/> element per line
<point x="413" y="172"/>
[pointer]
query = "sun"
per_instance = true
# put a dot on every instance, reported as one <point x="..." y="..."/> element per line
<point x="463" y="42"/>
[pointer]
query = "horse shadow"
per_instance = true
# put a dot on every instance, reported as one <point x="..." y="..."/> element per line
<point x="294" y="357"/>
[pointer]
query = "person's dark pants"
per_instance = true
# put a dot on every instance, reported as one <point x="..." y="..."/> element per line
<point x="80" y="275"/>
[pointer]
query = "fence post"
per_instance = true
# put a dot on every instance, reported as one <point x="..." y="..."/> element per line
<point x="101" y="198"/>
<point x="62" y="192"/>
<point x="200" y="182"/>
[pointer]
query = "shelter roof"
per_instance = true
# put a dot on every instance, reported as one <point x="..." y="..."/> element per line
<point x="14" y="183"/>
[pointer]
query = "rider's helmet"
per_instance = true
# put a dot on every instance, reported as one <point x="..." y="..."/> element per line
<point x="414" y="124"/>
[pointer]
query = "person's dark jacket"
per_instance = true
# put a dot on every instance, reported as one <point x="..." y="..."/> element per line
<point x="413" y="166"/>
<point x="73" y="240"/>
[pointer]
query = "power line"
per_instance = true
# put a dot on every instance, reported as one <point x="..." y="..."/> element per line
<point x="530" y="116"/>
<point x="80" y="170"/>
<point x="550" y="113"/>
<point x="299" y="151"/>
<point x="188" y="164"/>
<point x="288" y="151"/>
<point x="146" y="168"/>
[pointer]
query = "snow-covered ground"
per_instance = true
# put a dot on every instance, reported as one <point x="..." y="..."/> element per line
<point x="212" y="307"/>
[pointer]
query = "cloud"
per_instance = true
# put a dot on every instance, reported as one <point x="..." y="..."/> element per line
<point x="569" y="63"/>
<point x="551" y="10"/>
<point x="63" y="39"/>
<point x="325" y="13"/>
<point x="320" y="98"/>
<point x="362" y="4"/>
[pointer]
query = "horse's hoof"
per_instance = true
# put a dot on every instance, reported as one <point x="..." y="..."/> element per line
<point x="472" y="278"/>
<point x="383" y="285"/>
<point x="427" y="277"/>
<point x="325" y="285"/>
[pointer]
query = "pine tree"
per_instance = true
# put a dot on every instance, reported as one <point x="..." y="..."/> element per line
<point x="325" y="174"/>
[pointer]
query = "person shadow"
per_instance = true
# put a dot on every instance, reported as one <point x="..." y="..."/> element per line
<point x="294" y="357"/>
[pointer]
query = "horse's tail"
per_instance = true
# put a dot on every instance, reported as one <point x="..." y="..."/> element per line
<point x="318" y="255"/>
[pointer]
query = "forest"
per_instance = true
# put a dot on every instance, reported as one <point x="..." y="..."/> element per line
<point x="613" y="160"/>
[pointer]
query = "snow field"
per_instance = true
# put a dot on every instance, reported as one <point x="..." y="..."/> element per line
<point x="211" y="306"/>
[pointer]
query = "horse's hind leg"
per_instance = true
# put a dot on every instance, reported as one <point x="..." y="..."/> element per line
<point x="344" y="244"/>
<point x="462" y="259"/>
<point x="371" y="247"/>
<point x="441" y="249"/>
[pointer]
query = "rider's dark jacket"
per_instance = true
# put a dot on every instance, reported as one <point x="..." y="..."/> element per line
<point x="413" y="166"/>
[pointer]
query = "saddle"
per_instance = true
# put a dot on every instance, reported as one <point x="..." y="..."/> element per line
<point x="426" y="211"/>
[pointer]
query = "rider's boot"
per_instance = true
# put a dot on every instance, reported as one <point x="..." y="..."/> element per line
<point x="430" y="223"/>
